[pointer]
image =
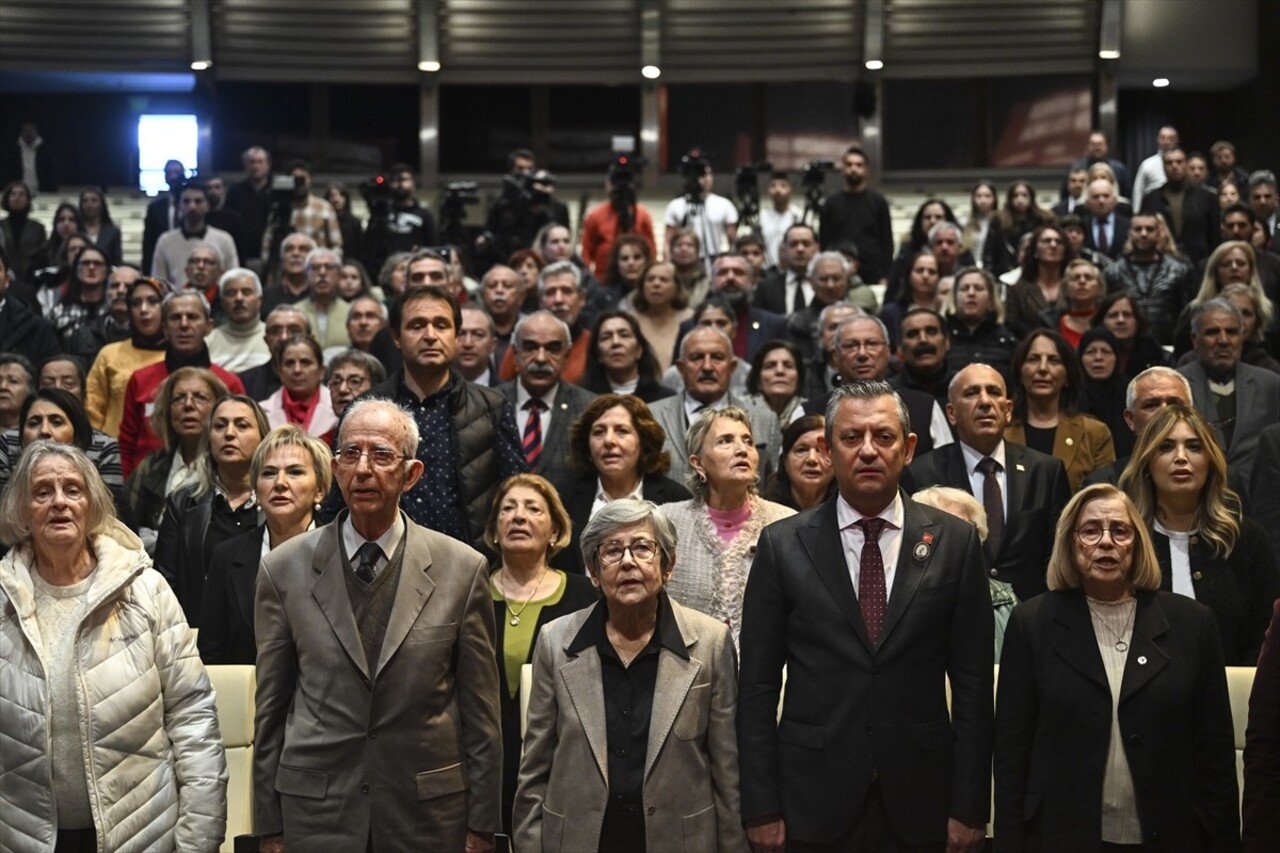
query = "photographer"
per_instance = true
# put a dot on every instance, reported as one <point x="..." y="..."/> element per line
<point x="297" y="211"/>
<point x="523" y="208"/>
<point x="397" y="223"/>
<point x="621" y="214"/>
<point x="712" y="217"/>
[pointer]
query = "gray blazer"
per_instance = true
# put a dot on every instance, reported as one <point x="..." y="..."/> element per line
<point x="554" y="462"/>
<point x="670" y="415"/>
<point x="691" y="765"/>
<point x="1257" y="406"/>
<point x="408" y="755"/>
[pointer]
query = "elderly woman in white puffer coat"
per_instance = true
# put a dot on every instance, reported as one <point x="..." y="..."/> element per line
<point x="110" y="736"/>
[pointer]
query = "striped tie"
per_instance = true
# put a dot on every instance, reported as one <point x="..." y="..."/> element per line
<point x="532" y="442"/>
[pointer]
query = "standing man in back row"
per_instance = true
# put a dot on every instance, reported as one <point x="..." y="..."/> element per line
<point x="859" y="215"/>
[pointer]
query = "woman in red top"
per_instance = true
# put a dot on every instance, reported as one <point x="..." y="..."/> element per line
<point x="302" y="400"/>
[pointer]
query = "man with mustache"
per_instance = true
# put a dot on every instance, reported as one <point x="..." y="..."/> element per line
<point x="563" y="293"/>
<point x="545" y="405"/>
<point x="502" y="291"/>
<point x="923" y="347"/>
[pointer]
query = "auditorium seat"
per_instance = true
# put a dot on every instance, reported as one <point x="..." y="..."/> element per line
<point x="235" y="687"/>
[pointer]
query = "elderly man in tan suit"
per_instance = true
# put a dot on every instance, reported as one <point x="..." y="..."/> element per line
<point x="377" y="705"/>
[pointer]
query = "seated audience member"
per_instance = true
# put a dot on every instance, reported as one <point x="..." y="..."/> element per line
<point x="660" y="306"/>
<point x="58" y="415"/>
<point x="1045" y="417"/>
<point x="714" y="312"/>
<point x="283" y="322"/>
<point x="616" y="447"/>
<point x="706" y="368"/>
<point x="350" y="374"/>
<point x="1040" y="284"/>
<point x="366" y="318"/>
<point x="181" y="419"/>
<point x="528" y="527"/>
<point x="923" y="346"/>
<point x="354" y="281"/>
<point x="1073" y="228"/>
<point x="1121" y="314"/>
<point x="1146" y="394"/>
<point x="804" y="477"/>
<point x="1233" y="262"/>
<point x="1237" y="399"/>
<point x="1069" y="772"/>
<point x="1238" y="223"/>
<point x="920" y="287"/>
<point x="684" y="251"/>
<point x="292" y="285"/>
<point x="1207" y="550"/>
<point x="860" y="293"/>
<point x="562" y="294"/>
<point x="789" y="288"/>
<point x="1257" y="313"/>
<point x="85" y="298"/>
<point x="326" y="311"/>
<point x="623" y="361"/>
<point x="1072" y="315"/>
<point x="17" y="383"/>
<point x="776" y="380"/>
<point x="1019" y="217"/>
<point x="303" y="399"/>
<point x="175" y="245"/>
<point x="1022" y="490"/>
<point x="975" y="324"/>
<point x="477" y="340"/>
<point x="1102" y="389"/>
<point x="717" y="529"/>
<point x="635" y="632"/>
<point x="237" y="343"/>
<point x="110" y="728"/>
<point x="291" y="473"/>
<point x="946" y="243"/>
<point x="502" y="294"/>
<point x="545" y="403"/>
<point x="961" y="504"/>
<point x="116" y="362"/>
<point x="393" y="275"/>
<point x="186" y="321"/>
<point x="20" y="235"/>
<point x="112" y="323"/>
<point x="219" y="505"/>
<point x="96" y="223"/>
<point x="528" y="265"/>
<point x="63" y="371"/>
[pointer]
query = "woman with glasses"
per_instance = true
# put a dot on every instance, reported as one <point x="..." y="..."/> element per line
<point x="631" y="742"/>
<point x="1207" y="550"/>
<point x="719" y="527"/>
<point x="116" y="362"/>
<point x="350" y="373"/>
<point x="86" y="295"/>
<point x="1040" y="284"/>
<point x="1113" y="723"/>
<point x="527" y="526"/>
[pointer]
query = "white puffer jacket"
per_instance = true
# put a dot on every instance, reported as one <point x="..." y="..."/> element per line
<point x="155" y="763"/>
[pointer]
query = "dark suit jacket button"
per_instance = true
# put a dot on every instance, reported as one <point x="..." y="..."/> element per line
<point x="871" y="729"/>
<point x="652" y="809"/>
<point x="372" y="733"/>
<point x="995" y="573"/>
<point x="364" y="789"/>
<point x="1135" y="739"/>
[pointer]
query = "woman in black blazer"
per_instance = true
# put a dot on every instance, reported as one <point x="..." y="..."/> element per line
<point x="291" y="474"/>
<point x="1206" y="548"/>
<point x="616" y="446"/>
<point x="623" y="361"/>
<point x="1113" y="723"/>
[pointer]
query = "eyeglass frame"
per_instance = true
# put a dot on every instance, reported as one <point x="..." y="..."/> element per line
<point x="1108" y="530"/>
<point x="627" y="549"/>
<point x="341" y="457"/>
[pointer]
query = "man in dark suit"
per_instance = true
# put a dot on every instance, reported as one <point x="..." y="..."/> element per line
<point x="1238" y="399"/>
<point x="788" y="289"/>
<point x="731" y="278"/>
<point x="164" y="213"/>
<point x="545" y="406"/>
<point x="1194" y="225"/>
<point x="867" y="600"/>
<point x="1070" y="201"/>
<point x="1023" y="492"/>
<point x="378" y="722"/>
<point x="1105" y="230"/>
<point x="477" y="340"/>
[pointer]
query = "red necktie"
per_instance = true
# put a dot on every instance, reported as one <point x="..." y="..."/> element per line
<point x="1102" y="236"/>
<point x="532" y="441"/>
<point x="872" y="595"/>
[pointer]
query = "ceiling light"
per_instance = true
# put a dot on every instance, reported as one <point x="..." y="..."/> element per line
<point x="1160" y="82"/>
<point x="650" y="72"/>
<point x="429" y="66"/>
<point x="1108" y="54"/>
<point x="874" y="64"/>
<point x="202" y="65"/>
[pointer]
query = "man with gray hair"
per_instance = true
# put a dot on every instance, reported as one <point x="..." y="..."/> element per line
<point x="204" y="269"/>
<point x="326" y="311"/>
<point x="946" y="241"/>
<point x="237" y="344"/>
<point x="706" y="366"/>
<point x="546" y="404"/>
<point x="292" y="285"/>
<point x="378" y="714"/>
<point x="1150" y="391"/>
<point x="828" y="275"/>
<point x="562" y="293"/>
<point x="822" y="373"/>
<point x="1238" y="399"/>
<point x="283" y="322"/>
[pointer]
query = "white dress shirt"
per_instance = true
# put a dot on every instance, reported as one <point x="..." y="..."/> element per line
<point x="794" y="280"/>
<point x="977" y="479"/>
<point x="692" y="406"/>
<point x="388" y="541"/>
<point x="548" y="401"/>
<point x="852" y="537"/>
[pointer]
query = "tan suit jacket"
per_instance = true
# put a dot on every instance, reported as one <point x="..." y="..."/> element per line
<point x="1082" y="443"/>
<point x="691" y="765"/>
<point x="408" y="754"/>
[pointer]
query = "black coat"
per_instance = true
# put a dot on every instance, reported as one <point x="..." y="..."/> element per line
<point x="1200" y="216"/>
<point x="579" y="497"/>
<point x="1053" y="725"/>
<point x="1262" y="748"/>
<point x="226" y="609"/>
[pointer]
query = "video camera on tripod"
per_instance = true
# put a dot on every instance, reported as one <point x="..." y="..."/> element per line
<point x="813" y="179"/>
<point x="692" y="167"/>
<point x="458" y="196"/>
<point x="746" y="186"/>
<point x="622" y="189"/>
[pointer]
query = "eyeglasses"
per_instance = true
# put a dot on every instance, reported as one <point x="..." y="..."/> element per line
<point x="1091" y="534"/>
<point x="196" y="399"/>
<point x="383" y="458"/>
<point x="869" y="346"/>
<point x="352" y="382"/>
<point x="642" y="551"/>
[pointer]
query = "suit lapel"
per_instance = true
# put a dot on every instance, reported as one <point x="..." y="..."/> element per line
<point x="1145" y="659"/>
<point x="330" y="593"/>
<point x="675" y="677"/>
<point x="911" y="569"/>
<point x="1074" y="640"/>
<point x="823" y="545"/>
<point x="415" y="587"/>
<point x="582" y="680"/>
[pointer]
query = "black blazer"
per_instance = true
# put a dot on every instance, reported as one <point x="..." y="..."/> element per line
<point x="1053" y="725"/>
<point x="765" y="326"/>
<point x="226" y="609"/>
<point x="581" y="494"/>
<point x="1262" y="748"/>
<point x="854" y="711"/>
<point x="1238" y="588"/>
<point x="1119" y="233"/>
<point x="1264" y="496"/>
<point x="1038" y="490"/>
<point x="1200" y="232"/>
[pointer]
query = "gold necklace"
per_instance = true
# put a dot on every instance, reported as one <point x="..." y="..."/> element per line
<point x="515" y="614"/>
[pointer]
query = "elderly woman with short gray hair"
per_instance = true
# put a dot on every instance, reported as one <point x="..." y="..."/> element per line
<point x="719" y="526"/>
<point x="643" y="690"/>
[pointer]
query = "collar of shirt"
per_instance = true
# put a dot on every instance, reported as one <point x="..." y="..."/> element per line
<point x="523" y="396"/>
<point x="666" y="633"/>
<point x="852" y="538"/>
<point x="252" y="503"/>
<point x="692" y="406"/>
<point x="388" y="541"/>
<point x="483" y="378"/>
<point x="407" y="393"/>
<point x="973" y="457"/>
<point x="977" y="479"/>
<point x="180" y="474"/>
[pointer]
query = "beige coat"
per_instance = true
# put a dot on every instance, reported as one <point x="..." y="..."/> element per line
<point x="691" y="766"/>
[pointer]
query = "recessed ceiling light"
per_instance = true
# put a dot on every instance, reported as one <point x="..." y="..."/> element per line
<point x="874" y="64"/>
<point x="1160" y="82"/>
<point x="429" y="66"/>
<point x="650" y="72"/>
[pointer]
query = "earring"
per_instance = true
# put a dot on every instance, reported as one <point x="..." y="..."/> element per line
<point x="317" y="506"/>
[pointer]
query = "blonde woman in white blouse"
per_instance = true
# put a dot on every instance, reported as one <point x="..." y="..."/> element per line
<point x="1113" y="725"/>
